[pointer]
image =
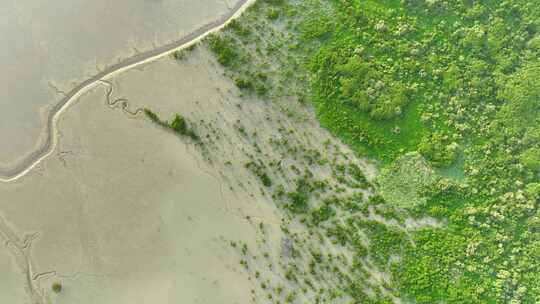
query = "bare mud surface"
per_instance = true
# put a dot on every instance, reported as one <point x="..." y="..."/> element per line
<point x="51" y="48"/>
<point x="123" y="213"/>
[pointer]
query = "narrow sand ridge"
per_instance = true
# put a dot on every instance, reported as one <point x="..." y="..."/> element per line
<point x="19" y="169"/>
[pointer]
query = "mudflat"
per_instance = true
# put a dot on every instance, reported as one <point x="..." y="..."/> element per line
<point x="122" y="213"/>
<point x="51" y="48"/>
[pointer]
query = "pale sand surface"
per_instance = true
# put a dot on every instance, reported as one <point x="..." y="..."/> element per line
<point x="48" y="47"/>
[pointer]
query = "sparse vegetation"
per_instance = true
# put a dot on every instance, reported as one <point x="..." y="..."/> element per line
<point x="153" y="117"/>
<point x="444" y="95"/>
<point x="260" y="171"/>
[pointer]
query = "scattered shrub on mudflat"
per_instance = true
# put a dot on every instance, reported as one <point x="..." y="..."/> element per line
<point x="178" y="125"/>
<point x="260" y="171"/>
<point x="56" y="287"/>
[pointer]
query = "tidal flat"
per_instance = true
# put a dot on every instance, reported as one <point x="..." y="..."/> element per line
<point x="122" y="213"/>
<point x="49" y="48"/>
<point x="128" y="211"/>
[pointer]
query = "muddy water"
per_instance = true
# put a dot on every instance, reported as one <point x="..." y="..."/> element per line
<point x="50" y="46"/>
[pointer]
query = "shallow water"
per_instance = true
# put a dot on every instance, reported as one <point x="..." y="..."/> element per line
<point x="50" y="46"/>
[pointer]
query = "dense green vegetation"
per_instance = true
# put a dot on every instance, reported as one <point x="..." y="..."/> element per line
<point x="456" y="84"/>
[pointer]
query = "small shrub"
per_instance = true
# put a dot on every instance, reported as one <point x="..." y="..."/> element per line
<point x="179" y="125"/>
<point x="272" y="14"/>
<point x="56" y="287"/>
<point x="244" y="84"/>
